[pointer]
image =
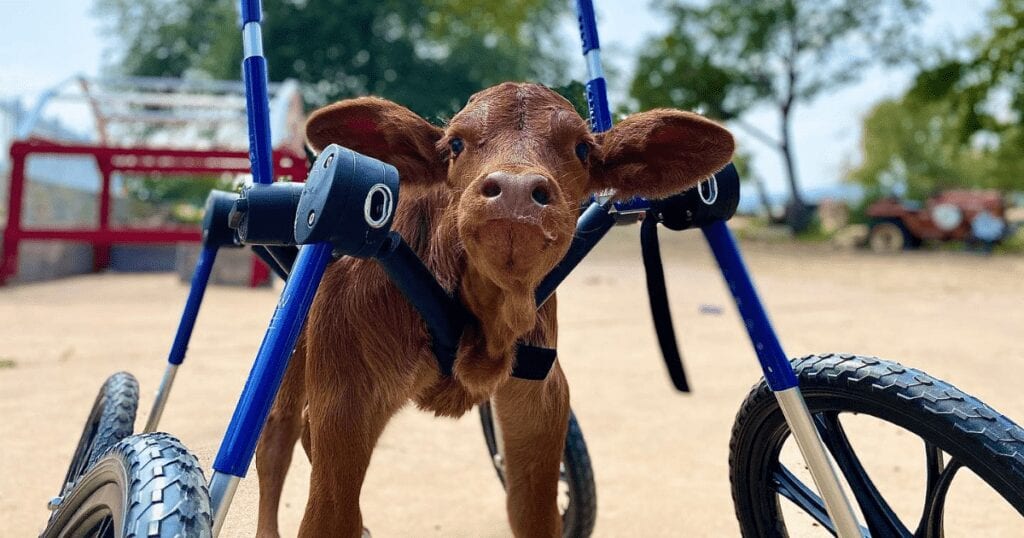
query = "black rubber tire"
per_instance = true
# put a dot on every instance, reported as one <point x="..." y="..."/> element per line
<point x="975" y="435"/>
<point x="147" y="485"/>
<point x="581" y="514"/>
<point x="111" y="419"/>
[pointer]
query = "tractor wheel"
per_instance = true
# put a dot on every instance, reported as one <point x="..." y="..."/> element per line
<point x="888" y="237"/>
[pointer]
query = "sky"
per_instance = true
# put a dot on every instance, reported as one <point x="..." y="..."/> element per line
<point x="47" y="42"/>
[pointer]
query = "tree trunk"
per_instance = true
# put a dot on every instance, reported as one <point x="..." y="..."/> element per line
<point x="797" y="214"/>
<point x="762" y="192"/>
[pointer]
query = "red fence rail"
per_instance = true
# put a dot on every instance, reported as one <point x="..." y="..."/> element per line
<point x="110" y="160"/>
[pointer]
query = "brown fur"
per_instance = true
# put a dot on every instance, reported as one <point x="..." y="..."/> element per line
<point x="365" y="352"/>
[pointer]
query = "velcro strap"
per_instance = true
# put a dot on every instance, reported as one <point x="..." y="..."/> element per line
<point x="533" y="362"/>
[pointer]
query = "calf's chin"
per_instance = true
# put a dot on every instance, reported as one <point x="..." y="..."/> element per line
<point x="505" y="262"/>
<point x="514" y="254"/>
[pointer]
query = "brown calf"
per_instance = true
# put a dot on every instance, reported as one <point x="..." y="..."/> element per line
<point x="489" y="203"/>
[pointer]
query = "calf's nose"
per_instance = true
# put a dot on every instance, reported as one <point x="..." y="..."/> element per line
<point x="516" y="196"/>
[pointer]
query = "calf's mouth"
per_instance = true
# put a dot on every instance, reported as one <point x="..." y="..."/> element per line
<point x="518" y="252"/>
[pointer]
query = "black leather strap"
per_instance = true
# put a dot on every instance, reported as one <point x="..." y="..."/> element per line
<point x="659" y="303"/>
<point x="533" y="362"/>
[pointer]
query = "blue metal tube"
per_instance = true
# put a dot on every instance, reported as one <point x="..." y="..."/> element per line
<point x="633" y="205"/>
<point x="597" y="89"/>
<point x="778" y="372"/>
<point x="239" y="444"/>
<point x="200" y="277"/>
<point x="588" y="25"/>
<point x="250" y="11"/>
<point x="257" y="94"/>
<point x="257" y="101"/>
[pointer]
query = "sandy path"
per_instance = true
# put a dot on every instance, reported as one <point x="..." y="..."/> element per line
<point x="659" y="457"/>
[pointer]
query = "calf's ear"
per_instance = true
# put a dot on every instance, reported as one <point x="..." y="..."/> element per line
<point x="383" y="130"/>
<point x="659" y="153"/>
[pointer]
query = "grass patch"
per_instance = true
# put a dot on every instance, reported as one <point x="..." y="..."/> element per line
<point x="7" y="363"/>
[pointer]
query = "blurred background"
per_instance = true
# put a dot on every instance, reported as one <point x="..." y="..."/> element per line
<point x="898" y="120"/>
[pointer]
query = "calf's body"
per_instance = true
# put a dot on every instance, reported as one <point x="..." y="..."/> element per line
<point x="489" y="204"/>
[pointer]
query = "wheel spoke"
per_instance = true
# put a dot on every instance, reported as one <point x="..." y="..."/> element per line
<point x="940" y="477"/>
<point x="790" y="487"/>
<point x="105" y="529"/>
<point x="879" y="516"/>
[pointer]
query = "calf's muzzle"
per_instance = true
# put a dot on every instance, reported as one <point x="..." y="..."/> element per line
<point x="517" y="197"/>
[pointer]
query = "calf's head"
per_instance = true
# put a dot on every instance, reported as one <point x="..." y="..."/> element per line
<point x="518" y="161"/>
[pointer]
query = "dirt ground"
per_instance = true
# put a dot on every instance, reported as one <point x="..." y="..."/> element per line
<point x="660" y="458"/>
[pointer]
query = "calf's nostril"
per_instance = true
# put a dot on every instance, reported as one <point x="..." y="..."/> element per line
<point x="491" y="188"/>
<point x="541" y="195"/>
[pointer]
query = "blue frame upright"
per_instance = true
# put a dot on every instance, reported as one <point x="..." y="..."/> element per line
<point x="775" y="365"/>
<point x="243" y="432"/>
<point x="778" y="372"/>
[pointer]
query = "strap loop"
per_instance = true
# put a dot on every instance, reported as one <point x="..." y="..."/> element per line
<point x="712" y="195"/>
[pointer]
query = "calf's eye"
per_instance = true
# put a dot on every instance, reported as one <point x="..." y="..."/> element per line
<point x="457" y="145"/>
<point x="583" y="151"/>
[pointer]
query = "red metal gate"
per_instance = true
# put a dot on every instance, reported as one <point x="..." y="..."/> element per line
<point x="110" y="160"/>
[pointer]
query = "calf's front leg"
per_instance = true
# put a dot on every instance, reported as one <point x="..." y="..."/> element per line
<point x="277" y="442"/>
<point x="533" y="416"/>
<point x="345" y="417"/>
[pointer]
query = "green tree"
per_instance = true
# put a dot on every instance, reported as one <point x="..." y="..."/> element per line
<point x="725" y="57"/>
<point x="981" y="95"/>
<point x="913" y="149"/>
<point x="961" y="124"/>
<point x="163" y="38"/>
<point x="428" y="55"/>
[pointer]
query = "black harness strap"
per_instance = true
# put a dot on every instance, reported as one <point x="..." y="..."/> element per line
<point x="659" y="303"/>
<point x="533" y="362"/>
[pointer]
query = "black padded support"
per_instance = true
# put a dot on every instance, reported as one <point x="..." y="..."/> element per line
<point x="533" y="362"/>
<point x="272" y="262"/>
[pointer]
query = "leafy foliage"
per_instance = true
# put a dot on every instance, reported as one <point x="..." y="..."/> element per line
<point x="961" y="124"/>
<point x="724" y="57"/>
<point x="161" y="38"/>
<point x="912" y="149"/>
<point x="430" y="55"/>
<point x="727" y="56"/>
<point x="576" y="93"/>
<point x="172" y="195"/>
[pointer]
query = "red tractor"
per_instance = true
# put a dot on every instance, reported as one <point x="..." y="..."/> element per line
<point x="974" y="216"/>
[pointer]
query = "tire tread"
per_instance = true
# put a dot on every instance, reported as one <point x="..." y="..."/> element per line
<point x="118" y="418"/>
<point x="167" y="492"/>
